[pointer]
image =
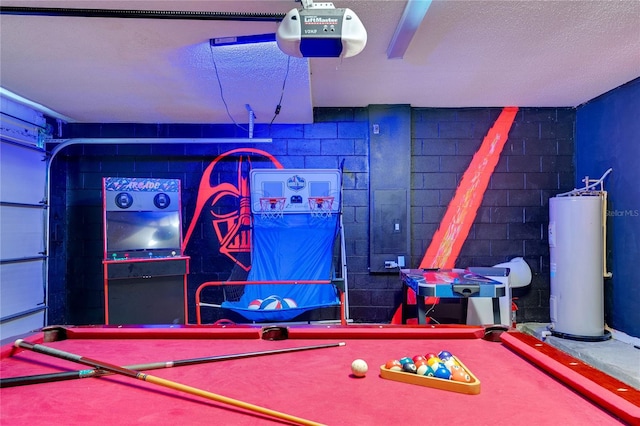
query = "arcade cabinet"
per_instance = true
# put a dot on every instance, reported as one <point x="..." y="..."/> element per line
<point x="145" y="271"/>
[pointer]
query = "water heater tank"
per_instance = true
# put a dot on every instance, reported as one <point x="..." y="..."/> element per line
<point x="576" y="248"/>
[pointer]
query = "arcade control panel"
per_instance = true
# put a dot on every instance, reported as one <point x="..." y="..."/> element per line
<point x="141" y="256"/>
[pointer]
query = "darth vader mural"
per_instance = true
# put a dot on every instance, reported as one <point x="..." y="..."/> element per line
<point x="220" y="228"/>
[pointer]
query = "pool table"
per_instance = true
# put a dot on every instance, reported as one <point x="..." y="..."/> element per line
<point x="521" y="380"/>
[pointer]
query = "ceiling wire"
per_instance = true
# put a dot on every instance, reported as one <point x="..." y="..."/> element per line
<point x="284" y="83"/>
<point x="226" y="107"/>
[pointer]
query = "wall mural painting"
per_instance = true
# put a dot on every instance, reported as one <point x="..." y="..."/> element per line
<point x="232" y="227"/>
<point x="226" y="205"/>
<point x="462" y="210"/>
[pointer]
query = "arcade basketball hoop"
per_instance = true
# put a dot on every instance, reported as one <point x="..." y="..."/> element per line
<point x="272" y="207"/>
<point x="320" y="207"/>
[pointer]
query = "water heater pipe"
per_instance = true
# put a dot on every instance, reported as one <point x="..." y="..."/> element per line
<point x="589" y="184"/>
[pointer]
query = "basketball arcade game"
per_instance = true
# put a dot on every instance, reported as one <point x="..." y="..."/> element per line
<point x="145" y="271"/>
<point x="298" y="261"/>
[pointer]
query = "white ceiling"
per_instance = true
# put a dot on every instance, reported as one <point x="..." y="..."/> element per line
<point x="464" y="54"/>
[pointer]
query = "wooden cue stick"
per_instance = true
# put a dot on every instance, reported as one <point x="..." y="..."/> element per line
<point x="159" y="381"/>
<point x="83" y="374"/>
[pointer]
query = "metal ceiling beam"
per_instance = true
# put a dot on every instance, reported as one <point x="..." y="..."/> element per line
<point x="141" y="14"/>
<point x="414" y="13"/>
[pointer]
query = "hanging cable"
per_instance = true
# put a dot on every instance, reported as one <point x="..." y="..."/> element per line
<point x="284" y="83"/>
<point x="226" y="107"/>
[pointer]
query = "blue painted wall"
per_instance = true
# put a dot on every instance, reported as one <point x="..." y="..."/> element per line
<point x="608" y="135"/>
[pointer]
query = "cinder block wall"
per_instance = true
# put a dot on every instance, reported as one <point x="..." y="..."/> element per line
<point x="537" y="163"/>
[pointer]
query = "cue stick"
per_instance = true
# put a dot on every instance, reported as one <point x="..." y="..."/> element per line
<point x="83" y="374"/>
<point x="159" y="381"/>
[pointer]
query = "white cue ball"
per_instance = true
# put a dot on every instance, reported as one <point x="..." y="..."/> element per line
<point x="359" y="368"/>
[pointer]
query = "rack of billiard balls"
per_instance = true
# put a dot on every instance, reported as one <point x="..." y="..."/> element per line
<point x="442" y="366"/>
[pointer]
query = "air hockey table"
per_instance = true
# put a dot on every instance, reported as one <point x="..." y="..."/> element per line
<point x="302" y="371"/>
<point x="451" y="284"/>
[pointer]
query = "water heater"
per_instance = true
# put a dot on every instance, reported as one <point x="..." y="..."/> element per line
<point x="576" y="243"/>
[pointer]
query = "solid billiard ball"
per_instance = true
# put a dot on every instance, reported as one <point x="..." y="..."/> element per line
<point x="421" y="362"/>
<point x="393" y="365"/>
<point x="430" y="355"/>
<point x="433" y="362"/>
<point x="418" y="359"/>
<point x="359" y="368"/>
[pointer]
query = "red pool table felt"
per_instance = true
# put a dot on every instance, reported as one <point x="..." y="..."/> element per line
<point x="523" y="380"/>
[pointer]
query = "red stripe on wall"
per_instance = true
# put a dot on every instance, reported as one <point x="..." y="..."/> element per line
<point x="463" y="208"/>
<point x="447" y="242"/>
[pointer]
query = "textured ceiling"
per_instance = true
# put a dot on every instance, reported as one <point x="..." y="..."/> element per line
<point x="464" y="54"/>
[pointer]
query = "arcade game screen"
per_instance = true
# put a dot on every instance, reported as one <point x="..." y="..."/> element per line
<point x="142" y="231"/>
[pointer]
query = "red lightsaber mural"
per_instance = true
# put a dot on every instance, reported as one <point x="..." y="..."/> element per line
<point x="462" y="210"/>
